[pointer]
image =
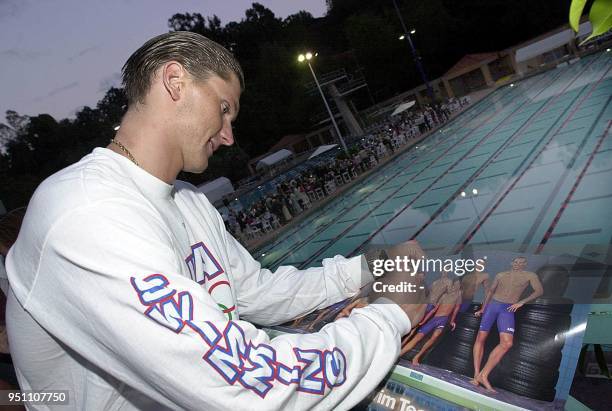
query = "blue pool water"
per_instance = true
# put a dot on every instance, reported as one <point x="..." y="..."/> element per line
<point x="538" y="155"/>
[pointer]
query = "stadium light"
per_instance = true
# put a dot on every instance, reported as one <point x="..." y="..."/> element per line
<point x="474" y="191"/>
<point x="463" y="194"/>
<point x="307" y="57"/>
<point x="402" y="37"/>
<point x="417" y="59"/>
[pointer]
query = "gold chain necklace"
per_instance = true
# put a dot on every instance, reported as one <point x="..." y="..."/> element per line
<point x="125" y="150"/>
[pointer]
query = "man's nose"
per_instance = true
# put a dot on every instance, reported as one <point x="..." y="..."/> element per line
<point x="227" y="134"/>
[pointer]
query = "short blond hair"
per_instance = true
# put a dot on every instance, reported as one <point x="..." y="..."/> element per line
<point x="200" y="56"/>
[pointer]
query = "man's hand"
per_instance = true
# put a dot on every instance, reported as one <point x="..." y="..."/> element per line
<point x="453" y="325"/>
<point x="515" y="307"/>
<point x="359" y="303"/>
<point x="414" y="311"/>
<point x="413" y="302"/>
<point x="479" y="312"/>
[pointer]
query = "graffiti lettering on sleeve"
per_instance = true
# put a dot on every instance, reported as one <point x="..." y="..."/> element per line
<point x="236" y="359"/>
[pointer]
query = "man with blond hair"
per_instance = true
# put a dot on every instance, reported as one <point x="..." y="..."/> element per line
<point x="128" y="291"/>
<point x="502" y="300"/>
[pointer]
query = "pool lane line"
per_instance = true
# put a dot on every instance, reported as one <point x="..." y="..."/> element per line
<point x="524" y="244"/>
<point x="465" y="155"/>
<point x="312" y="257"/>
<point x="386" y="180"/>
<point x="324" y="226"/>
<point x="486" y="136"/>
<point x="351" y="205"/>
<point x="519" y="132"/>
<point x="457" y="121"/>
<point x="569" y="196"/>
<point x="394" y="162"/>
<point x="513" y="183"/>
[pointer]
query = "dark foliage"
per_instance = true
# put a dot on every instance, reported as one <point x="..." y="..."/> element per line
<point x="354" y="34"/>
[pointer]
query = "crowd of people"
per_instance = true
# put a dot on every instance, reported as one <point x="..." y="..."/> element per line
<point x="292" y="197"/>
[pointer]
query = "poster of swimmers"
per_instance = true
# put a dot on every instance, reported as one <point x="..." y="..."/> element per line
<point x="508" y="330"/>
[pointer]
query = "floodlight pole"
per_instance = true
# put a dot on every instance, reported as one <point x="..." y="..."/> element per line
<point x="415" y="56"/>
<point x="331" y="115"/>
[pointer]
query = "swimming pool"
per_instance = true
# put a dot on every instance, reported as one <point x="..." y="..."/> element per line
<point x="527" y="169"/>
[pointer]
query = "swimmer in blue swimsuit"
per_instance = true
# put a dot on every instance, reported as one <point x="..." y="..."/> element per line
<point x="435" y="321"/>
<point x="500" y="304"/>
<point x="470" y="284"/>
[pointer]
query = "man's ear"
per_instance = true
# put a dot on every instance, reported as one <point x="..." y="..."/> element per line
<point x="174" y="77"/>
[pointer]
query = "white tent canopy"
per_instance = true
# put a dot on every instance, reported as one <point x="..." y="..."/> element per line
<point x="322" y="149"/>
<point x="273" y="158"/>
<point x="381" y="111"/>
<point x="403" y="107"/>
<point x="216" y="189"/>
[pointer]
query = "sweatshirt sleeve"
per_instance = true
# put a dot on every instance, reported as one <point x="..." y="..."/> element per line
<point x="108" y="287"/>
<point x="269" y="298"/>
